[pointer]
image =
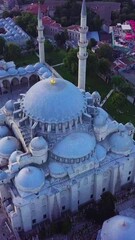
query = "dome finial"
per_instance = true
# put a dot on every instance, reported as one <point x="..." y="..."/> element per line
<point x="53" y="80"/>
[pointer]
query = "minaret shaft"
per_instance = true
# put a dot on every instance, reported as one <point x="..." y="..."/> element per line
<point x="83" y="43"/>
<point x="40" y="38"/>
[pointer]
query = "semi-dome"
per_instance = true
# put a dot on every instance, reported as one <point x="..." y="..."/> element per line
<point x="14" y="155"/>
<point x="30" y="179"/>
<point x="100" y="152"/>
<point x="53" y="102"/>
<point x="8" y="145"/>
<point x="121" y="143"/>
<point x="3" y="73"/>
<point x="118" y="228"/>
<point x="38" y="143"/>
<point x="75" y="145"/>
<point x="4" y="131"/>
<point x="57" y="170"/>
<point x="100" y="118"/>
<point x="3" y="175"/>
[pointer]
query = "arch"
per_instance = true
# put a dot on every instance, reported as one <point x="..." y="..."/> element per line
<point x="24" y="81"/>
<point x="6" y="86"/>
<point x="14" y="83"/>
<point x="33" y="79"/>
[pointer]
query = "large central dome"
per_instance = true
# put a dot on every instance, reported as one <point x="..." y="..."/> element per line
<point x="53" y="101"/>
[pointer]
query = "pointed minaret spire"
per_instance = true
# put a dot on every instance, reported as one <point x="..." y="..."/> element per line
<point x="40" y="38"/>
<point x="82" y="43"/>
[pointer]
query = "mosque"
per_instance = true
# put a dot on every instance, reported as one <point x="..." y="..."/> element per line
<point x="58" y="148"/>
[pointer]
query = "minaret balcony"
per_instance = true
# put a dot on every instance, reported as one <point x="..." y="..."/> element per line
<point x="83" y="44"/>
<point x="83" y="29"/>
<point x="40" y="28"/>
<point x="41" y="39"/>
<point x="82" y="56"/>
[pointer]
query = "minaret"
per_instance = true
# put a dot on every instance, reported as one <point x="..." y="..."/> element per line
<point x="82" y="43"/>
<point x="40" y="38"/>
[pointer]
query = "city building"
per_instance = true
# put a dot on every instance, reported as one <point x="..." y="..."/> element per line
<point x="12" y="33"/>
<point x="58" y="148"/>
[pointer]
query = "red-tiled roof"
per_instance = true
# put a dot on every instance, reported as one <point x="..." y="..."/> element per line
<point x="73" y="27"/>
<point x="50" y="22"/>
<point x="33" y="8"/>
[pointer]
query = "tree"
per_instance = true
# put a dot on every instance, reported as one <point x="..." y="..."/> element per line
<point x="12" y="52"/>
<point x="92" y="63"/>
<point x="92" y="43"/>
<point x="2" y="45"/>
<point x="105" y="51"/>
<point x="30" y="44"/>
<point x="48" y="46"/>
<point x="104" y="66"/>
<point x="117" y="100"/>
<point x="71" y="61"/>
<point x="61" y="38"/>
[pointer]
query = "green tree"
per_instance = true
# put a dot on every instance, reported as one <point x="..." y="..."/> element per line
<point x="12" y="52"/>
<point x="48" y="46"/>
<point x="92" y="63"/>
<point x="92" y="43"/>
<point x="30" y="44"/>
<point x="117" y="100"/>
<point x="104" y="66"/>
<point x="71" y="61"/>
<point x="61" y="38"/>
<point x="2" y="45"/>
<point x="105" y="51"/>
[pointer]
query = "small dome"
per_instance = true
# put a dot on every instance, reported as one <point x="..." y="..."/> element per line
<point x="8" y="145"/>
<point x="57" y="170"/>
<point x="30" y="69"/>
<point x="121" y="143"/>
<point x="130" y="126"/>
<point x="42" y="70"/>
<point x="38" y="65"/>
<point x="14" y="155"/>
<point x="118" y="228"/>
<point x="12" y="71"/>
<point x="46" y="74"/>
<point x="100" y="152"/>
<point x="3" y="73"/>
<point x="9" y="106"/>
<point x="30" y="179"/>
<point x="21" y="71"/>
<point x="100" y="118"/>
<point x="4" y="131"/>
<point x="38" y="143"/>
<point x="3" y="175"/>
<point x="121" y="127"/>
<point x="75" y="145"/>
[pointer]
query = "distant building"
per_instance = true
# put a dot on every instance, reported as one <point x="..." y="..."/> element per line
<point x="12" y="33"/>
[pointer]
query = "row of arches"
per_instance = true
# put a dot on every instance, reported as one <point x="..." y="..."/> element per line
<point x="15" y="83"/>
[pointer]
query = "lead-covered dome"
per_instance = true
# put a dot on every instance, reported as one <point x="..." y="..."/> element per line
<point x="8" y="145"/>
<point x="121" y="143"/>
<point x="118" y="228"/>
<point x="55" y="101"/>
<point x="30" y="179"/>
<point x="75" y="145"/>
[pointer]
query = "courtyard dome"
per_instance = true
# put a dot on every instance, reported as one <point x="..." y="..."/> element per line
<point x="42" y="70"/>
<point x="118" y="228"/>
<point x="4" y="131"/>
<point x="38" y="65"/>
<point x="8" y="145"/>
<point x="53" y="102"/>
<point x="14" y="155"/>
<point x="38" y="143"/>
<point x="121" y="143"/>
<point x="46" y="74"/>
<point x="22" y="71"/>
<point x="30" y="179"/>
<point x="57" y="170"/>
<point x="3" y="73"/>
<point x="9" y="106"/>
<point x="12" y="71"/>
<point x="30" y="69"/>
<point x="75" y="145"/>
<point x="100" y="118"/>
